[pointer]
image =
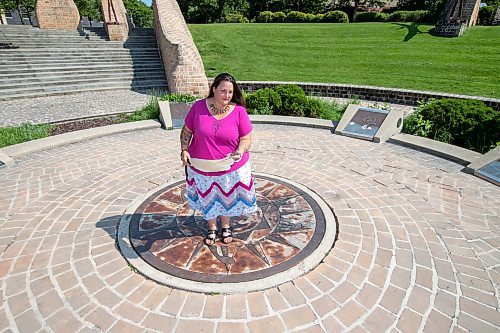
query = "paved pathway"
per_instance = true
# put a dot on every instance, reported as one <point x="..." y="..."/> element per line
<point x="417" y="249"/>
<point x="49" y="109"/>
<point x="60" y="108"/>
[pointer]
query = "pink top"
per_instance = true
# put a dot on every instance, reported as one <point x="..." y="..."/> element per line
<point x="215" y="139"/>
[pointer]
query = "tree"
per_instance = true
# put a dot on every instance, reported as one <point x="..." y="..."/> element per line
<point x="141" y="13"/>
<point x="89" y="8"/>
<point x="22" y="6"/>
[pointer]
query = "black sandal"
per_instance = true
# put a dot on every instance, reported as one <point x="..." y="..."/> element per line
<point x="211" y="237"/>
<point x="226" y="233"/>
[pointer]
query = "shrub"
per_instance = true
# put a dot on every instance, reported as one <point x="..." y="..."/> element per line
<point x="296" y="17"/>
<point x="308" y="17"/>
<point x="264" y="17"/>
<point x="181" y="98"/>
<point x="264" y="101"/>
<point x="465" y="123"/>
<point x="330" y="109"/>
<point x="236" y="18"/>
<point x="370" y="17"/>
<point x="293" y="100"/>
<point x="487" y="15"/>
<point x="415" y="124"/>
<point x="336" y="16"/>
<point x="149" y="111"/>
<point x="418" y="16"/>
<point x="279" y="17"/>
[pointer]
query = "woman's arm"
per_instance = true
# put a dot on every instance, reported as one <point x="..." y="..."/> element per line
<point x="185" y="138"/>
<point x="243" y="146"/>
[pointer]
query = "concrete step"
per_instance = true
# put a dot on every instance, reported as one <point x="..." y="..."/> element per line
<point x="89" y="51"/>
<point x="75" y="62"/>
<point x="95" y="68"/>
<point x="70" y="89"/>
<point x="76" y="57"/>
<point x="30" y="74"/>
<point x="35" y="82"/>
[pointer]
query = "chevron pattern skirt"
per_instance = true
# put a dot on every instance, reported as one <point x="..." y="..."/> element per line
<point x="230" y="194"/>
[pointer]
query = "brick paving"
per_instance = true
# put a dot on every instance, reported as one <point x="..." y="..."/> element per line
<point x="417" y="249"/>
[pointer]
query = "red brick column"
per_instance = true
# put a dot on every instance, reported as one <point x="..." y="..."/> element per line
<point x="57" y="14"/>
<point x="116" y="26"/>
<point x="183" y="65"/>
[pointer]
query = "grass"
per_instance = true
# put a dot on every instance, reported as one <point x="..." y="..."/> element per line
<point x="25" y="132"/>
<point x="396" y="55"/>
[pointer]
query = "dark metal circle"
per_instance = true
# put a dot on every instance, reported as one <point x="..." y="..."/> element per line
<point x="287" y="227"/>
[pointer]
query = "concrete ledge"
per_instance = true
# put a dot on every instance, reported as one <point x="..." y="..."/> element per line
<point x="62" y="139"/>
<point x="5" y="160"/>
<point x="453" y="153"/>
<point x="484" y="160"/>
<point x="293" y="121"/>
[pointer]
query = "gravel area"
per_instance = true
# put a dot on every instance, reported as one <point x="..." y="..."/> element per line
<point x="59" y="108"/>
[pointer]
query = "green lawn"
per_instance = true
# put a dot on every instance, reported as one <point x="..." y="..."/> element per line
<point x="397" y="55"/>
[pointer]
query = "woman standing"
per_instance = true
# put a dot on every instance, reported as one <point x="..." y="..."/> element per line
<point x="217" y="130"/>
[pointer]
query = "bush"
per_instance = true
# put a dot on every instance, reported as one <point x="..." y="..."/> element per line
<point x="487" y="15"/>
<point x="330" y="109"/>
<point x="310" y="18"/>
<point x="181" y="98"/>
<point x="149" y="111"/>
<point x="336" y="16"/>
<point x="370" y="17"/>
<point x="264" y="101"/>
<point x="465" y="123"/>
<point x="279" y="17"/>
<point x="296" y="17"/>
<point x="264" y="17"/>
<point x="293" y="100"/>
<point x="236" y="18"/>
<point x="417" y="16"/>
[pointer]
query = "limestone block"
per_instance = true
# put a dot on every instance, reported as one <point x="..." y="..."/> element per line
<point x="184" y="68"/>
<point x="57" y="14"/>
<point x="3" y="19"/>
<point x="115" y="21"/>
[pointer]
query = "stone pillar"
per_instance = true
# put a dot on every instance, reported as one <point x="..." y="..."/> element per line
<point x="182" y="62"/>
<point x="473" y="9"/>
<point x="115" y="21"/>
<point x="3" y="19"/>
<point x="57" y="14"/>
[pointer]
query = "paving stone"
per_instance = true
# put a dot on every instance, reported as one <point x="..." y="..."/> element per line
<point x="257" y="304"/>
<point x="437" y="322"/>
<point x="64" y="321"/>
<point x="276" y="299"/>
<point x="324" y="305"/>
<point x="291" y="293"/>
<point x="409" y="321"/>
<point x="268" y="324"/>
<point x="160" y="323"/>
<point x="193" y="306"/>
<point x="392" y="299"/>
<point x="298" y="317"/>
<point x="236" y="307"/>
<point x="349" y="313"/>
<point x="213" y="306"/>
<point x="230" y="327"/>
<point x="198" y="325"/>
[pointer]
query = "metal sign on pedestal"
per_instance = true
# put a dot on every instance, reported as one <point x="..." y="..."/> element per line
<point x="369" y="123"/>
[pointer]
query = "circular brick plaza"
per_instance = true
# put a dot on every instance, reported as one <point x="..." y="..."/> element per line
<point x="416" y="251"/>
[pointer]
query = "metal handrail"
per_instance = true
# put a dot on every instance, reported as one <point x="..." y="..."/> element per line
<point x="111" y="8"/>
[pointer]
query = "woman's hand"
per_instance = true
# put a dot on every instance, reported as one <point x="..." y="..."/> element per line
<point x="185" y="158"/>
<point x="236" y="156"/>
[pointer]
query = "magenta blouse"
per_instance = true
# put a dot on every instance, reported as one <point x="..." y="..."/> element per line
<point x="215" y="139"/>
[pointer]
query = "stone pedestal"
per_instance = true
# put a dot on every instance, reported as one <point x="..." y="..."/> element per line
<point x="57" y="14"/>
<point x="115" y="21"/>
<point x="182" y="62"/>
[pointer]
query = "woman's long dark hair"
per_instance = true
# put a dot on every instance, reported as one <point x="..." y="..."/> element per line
<point x="238" y="97"/>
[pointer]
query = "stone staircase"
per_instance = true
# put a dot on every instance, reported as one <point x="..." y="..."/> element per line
<point x="35" y="62"/>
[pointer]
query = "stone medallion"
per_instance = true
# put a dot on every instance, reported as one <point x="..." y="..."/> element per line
<point x="290" y="225"/>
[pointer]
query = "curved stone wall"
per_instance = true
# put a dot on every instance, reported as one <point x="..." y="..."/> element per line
<point x="57" y="14"/>
<point x="183" y="65"/>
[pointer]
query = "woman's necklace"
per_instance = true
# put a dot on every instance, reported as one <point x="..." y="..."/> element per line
<point x="216" y="111"/>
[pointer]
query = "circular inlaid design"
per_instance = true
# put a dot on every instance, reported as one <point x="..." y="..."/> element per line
<point x="275" y="243"/>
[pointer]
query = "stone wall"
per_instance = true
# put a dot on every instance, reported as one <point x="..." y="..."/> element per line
<point x="182" y="62"/>
<point x="116" y="27"/>
<point x="57" y="14"/>
<point x="376" y="94"/>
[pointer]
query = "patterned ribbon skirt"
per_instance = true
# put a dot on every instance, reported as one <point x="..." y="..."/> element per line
<point x="230" y="194"/>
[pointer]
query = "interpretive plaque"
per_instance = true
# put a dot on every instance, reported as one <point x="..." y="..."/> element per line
<point x="365" y="123"/>
<point x="490" y="171"/>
